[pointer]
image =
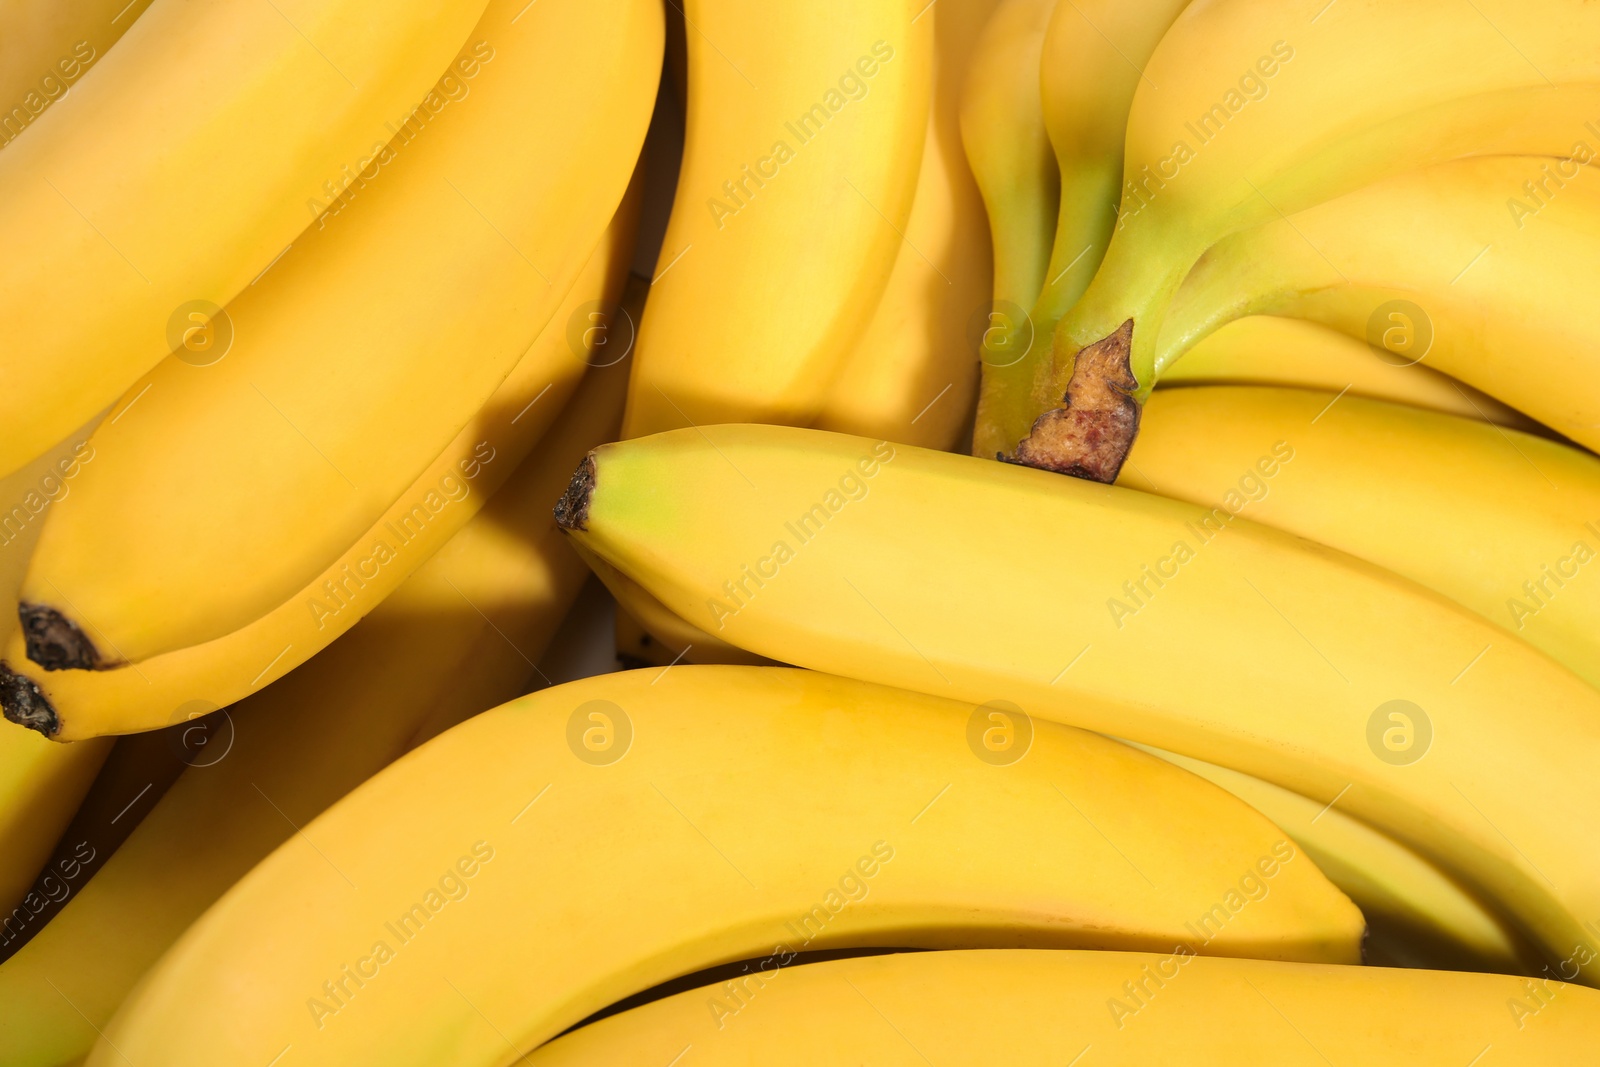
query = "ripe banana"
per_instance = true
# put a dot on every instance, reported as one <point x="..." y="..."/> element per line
<point x="72" y="704"/>
<point x="228" y="488"/>
<point x="1116" y="1009"/>
<point x="1269" y="350"/>
<point x="1407" y="900"/>
<point x="1251" y="111"/>
<point x="913" y="373"/>
<point x="175" y="171"/>
<point x="41" y="784"/>
<point x="1008" y="147"/>
<point x="1095" y="52"/>
<point x="1499" y="521"/>
<point x="1474" y="267"/>
<point x="46" y="48"/>
<point x="136" y="773"/>
<point x="460" y="635"/>
<point x="1171" y="624"/>
<point x="805" y="125"/>
<point x="568" y="849"/>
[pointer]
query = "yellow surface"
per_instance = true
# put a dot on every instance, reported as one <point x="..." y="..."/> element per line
<point x="805" y="126"/>
<point x="1245" y="647"/>
<point x="176" y="169"/>
<point x="750" y="807"/>
<point x="459" y="636"/>
<point x="1034" y="1009"/>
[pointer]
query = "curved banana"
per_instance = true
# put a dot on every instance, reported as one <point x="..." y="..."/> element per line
<point x="913" y="373"/>
<point x="1475" y="268"/>
<point x="805" y="125"/>
<point x="41" y="784"/>
<point x="1116" y="1009"/>
<point x="1406" y="899"/>
<point x="1251" y="111"/>
<point x="1270" y="350"/>
<point x="46" y="48"/>
<point x="1002" y="127"/>
<point x="1180" y="626"/>
<point x="1501" y="522"/>
<point x="1095" y="52"/>
<point x="602" y="836"/>
<point x="460" y="635"/>
<point x="176" y="170"/>
<point x="72" y="704"/>
<point x="360" y="355"/>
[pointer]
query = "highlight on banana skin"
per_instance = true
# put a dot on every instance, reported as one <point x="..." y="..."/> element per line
<point x="818" y="533"/>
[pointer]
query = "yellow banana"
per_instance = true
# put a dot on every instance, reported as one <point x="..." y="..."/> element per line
<point x="41" y="784"/>
<point x="267" y="465"/>
<point x="1499" y="521"/>
<point x="72" y="704"/>
<point x="45" y="48"/>
<point x="1175" y="625"/>
<point x="1269" y="350"/>
<point x="912" y="374"/>
<point x="589" y="841"/>
<point x="1095" y="52"/>
<point x="174" y="172"/>
<point x="1406" y="899"/>
<point x="136" y="773"/>
<point x="1474" y="268"/>
<point x="1117" y="1009"/>
<point x="1249" y="111"/>
<point x="1008" y="147"/>
<point x="804" y="136"/>
<point x="1092" y="58"/>
<point x="462" y="634"/>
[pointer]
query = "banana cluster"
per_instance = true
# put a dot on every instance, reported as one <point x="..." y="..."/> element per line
<point x="536" y="532"/>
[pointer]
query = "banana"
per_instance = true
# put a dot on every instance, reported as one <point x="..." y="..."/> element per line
<point x="73" y="704"/>
<point x="1092" y="59"/>
<point x="1117" y="1009"/>
<point x="1172" y="624"/>
<point x="1473" y="267"/>
<point x="271" y="463"/>
<point x="1251" y="111"/>
<point x="584" y="843"/>
<point x="1269" y="350"/>
<point x="1499" y="521"/>
<point x="1406" y="899"/>
<point x="136" y="773"/>
<point x="460" y="635"/>
<point x="41" y="784"/>
<point x="913" y="374"/>
<point x="1095" y="52"/>
<point x="1002" y="127"/>
<point x="805" y="125"/>
<point x="179" y="166"/>
<point x="45" y="48"/>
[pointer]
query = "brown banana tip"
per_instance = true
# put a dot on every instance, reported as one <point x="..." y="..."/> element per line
<point x="572" y="510"/>
<point x="55" y="642"/>
<point x="1090" y="435"/>
<point x="25" y="704"/>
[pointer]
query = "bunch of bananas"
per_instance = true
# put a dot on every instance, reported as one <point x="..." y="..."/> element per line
<point x="349" y="341"/>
